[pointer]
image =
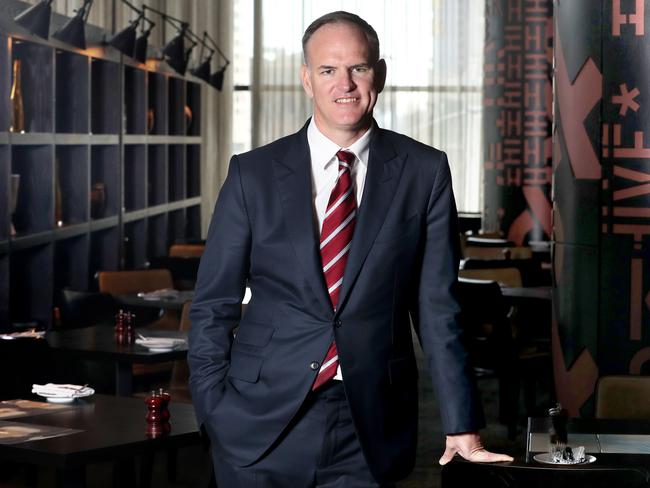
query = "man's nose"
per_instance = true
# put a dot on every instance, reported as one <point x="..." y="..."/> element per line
<point x="345" y="81"/>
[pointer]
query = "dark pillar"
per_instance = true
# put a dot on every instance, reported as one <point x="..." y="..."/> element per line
<point x="601" y="195"/>
<point x="517" y="101"/>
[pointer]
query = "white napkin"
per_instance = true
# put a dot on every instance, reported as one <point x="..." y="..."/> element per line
<point x="62" y="390"/>
<point x="159" y="342"/>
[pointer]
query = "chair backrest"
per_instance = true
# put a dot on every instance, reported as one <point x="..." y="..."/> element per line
<point x="484" y="317"/>
<point x="186" y="250"/>
<point x="516" y="475"/>
<point x="530" y="269"/>
<point x="124" y="282"/>
<point x="84" y="308"/>
<point x="183" y="270"/>
<point x="625" y="397"/>
<point x="483" y="241"/>
<point x="504" y="276"/>
<point x="482" y="252"/>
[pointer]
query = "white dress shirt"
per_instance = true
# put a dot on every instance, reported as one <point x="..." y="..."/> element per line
<point x="325" y="168"/>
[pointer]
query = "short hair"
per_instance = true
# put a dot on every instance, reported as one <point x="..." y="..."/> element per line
<point x="338" y="17"/>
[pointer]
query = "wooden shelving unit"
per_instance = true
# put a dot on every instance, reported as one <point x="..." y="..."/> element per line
<point x="109" y="168"/>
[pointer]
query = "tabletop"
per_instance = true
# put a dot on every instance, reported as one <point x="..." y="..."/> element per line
<point x="98" y="343"/>
<point x="611" y="441"/>
<point x="104" y="428"/>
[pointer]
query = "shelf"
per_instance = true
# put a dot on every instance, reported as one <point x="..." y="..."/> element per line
<point x="158" y="244"/>
<point x="135" y="177"/>
<point x="31" y="284"/>
<point x="35" y="89"/>
<point x="107" y="158"/>
<point x="161" y="139"/>
<point x="157" y="175"/>
<point x="135" y="244"/>
<point x="193" y="226"/>
<point x="176" y="225"/>
<point x="157" y="105"/>
<point x="193" y="170"/>
<point x="176" y="178"/>
<point x="104" y="183"/>
<point x="68" y="231"/>
<point x="105" y="97"/>
<point x="104" y="251"/>
<point x="72" y="93"/>
<point x="34" y="209"/>
<point x="71" y="187"/>
<point x="4" y="291"/>
<point x="193" y="102"/>
<point x="71" y="263"/>
<point x="5" y="88"/>
<point x="135" y="95"/>
<point x="5" y="192"/>
<point x="179" y="116"/>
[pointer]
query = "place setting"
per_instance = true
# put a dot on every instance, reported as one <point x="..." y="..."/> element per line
<point x="62" y="393"/>
<point x="159" y="344"/>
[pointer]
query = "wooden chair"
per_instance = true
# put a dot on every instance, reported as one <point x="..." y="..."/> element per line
<point x="184" y="270"/>
<point x="504" y="276"/>
<point x="624" y="397"/>
<point x="145" y="280"/>
<point x="186" y="250"/>
<point x="482" y="252"/>
<point x="531" y="270"/>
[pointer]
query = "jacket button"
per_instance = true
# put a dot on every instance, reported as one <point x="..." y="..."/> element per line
<point x="338" y="323"/>
<point x="314" y="365"/>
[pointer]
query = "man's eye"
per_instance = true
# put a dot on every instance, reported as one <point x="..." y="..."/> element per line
<point x="327" y="72"/>
<point x="360" y="69"/>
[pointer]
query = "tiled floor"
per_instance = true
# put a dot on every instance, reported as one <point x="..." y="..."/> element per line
<point x="192" y="462"/>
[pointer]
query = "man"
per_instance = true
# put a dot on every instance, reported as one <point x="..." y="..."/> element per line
<point x="344" y="232"/>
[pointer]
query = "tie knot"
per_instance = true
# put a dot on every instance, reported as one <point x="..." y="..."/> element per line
<point x="346" y="157"/>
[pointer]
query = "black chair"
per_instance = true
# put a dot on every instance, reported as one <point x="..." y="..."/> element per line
<point x="512" y="475"/>
<point x="494" y="351"/>
<point x="183" y="269"/>
<point x="84" y="308"/>
<point x="491" y="347"/>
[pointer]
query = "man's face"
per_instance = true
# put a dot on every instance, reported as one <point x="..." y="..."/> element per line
<point x="343" y="81"/>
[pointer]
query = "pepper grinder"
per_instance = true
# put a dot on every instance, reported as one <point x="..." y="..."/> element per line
<point x="157" y="417"/>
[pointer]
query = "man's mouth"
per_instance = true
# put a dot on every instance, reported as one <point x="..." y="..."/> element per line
<point x="346" y="100"/>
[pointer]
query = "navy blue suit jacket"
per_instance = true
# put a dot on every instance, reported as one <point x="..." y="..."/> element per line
<point x="402" y="264"/>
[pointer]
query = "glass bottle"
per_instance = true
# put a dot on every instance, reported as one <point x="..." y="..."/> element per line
<point x="18" y="115"/>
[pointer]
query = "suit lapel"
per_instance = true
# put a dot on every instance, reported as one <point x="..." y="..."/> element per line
<point x="384" y="170"/>
<point x="293" y="178"/>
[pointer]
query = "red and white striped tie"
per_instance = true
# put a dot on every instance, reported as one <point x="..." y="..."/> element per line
<point x="335" y="241"/>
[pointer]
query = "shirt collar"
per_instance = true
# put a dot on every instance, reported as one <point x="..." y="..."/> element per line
<point x="323" y="150"/>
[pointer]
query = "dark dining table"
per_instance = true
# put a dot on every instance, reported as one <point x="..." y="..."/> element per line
<point x="173" y="301"/>
<point x="526" y="293"/>
<point x="621" y="449"/>
<point x="97" y="343"/>
<point x="100" y="428"/>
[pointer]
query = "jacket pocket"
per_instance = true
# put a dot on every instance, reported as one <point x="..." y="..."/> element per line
<point x="245" y="367"/>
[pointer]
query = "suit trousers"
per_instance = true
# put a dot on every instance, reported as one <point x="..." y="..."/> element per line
<point x="318" y="449"/>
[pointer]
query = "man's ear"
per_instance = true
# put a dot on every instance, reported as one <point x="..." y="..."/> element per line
<point x="306" y="80"/>
<point x="380" y="75"/>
